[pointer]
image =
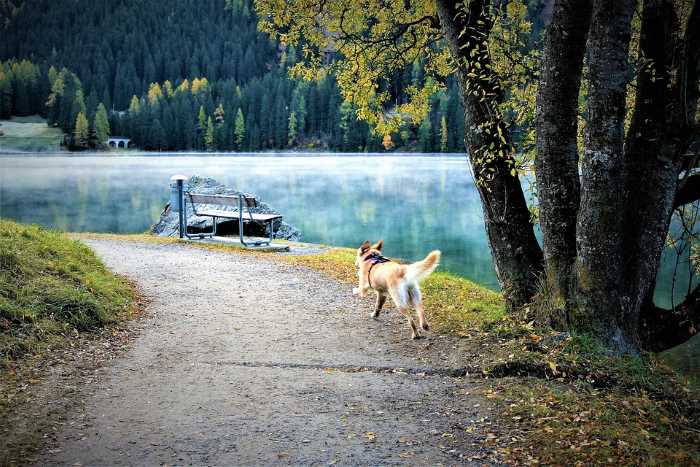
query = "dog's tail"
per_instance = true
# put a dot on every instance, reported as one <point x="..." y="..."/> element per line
<point x="422" y="269"/>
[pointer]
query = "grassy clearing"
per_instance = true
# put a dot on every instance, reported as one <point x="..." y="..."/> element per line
<point x="52" y="286"/>
<point x="29" y="134"/>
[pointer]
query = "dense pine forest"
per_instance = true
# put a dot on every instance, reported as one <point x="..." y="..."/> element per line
<point x="187" y="75"/>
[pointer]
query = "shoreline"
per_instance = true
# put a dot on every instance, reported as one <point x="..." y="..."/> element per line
<point x="233" y="154"/>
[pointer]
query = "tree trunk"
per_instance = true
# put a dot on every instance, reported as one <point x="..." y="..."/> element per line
<point x="660" y="133"/>
<point x="599" y="229"/>
<point x="516" y="254"/>
<point x="655" y="141"/>
<point x="556" y="165"/>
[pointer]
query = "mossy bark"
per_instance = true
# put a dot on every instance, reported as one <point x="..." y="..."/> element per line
<point x="516" y="254"/>
<point x="556" y="165"/>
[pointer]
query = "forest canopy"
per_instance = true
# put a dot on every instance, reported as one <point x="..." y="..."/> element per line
<point x="170" y="45"/>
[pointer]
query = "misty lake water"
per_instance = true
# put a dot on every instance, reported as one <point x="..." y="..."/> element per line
<point x="416" y="203"/>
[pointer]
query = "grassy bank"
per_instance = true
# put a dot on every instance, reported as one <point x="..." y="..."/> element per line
<point x="50" y="287"/>
<point x="29" y="134"/>
<point x="561" y="398"/>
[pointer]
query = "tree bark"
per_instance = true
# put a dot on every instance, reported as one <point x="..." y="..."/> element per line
<point x="659" y="135"/>
<point x="651" y="154"/>
<point x="556" y="165"/>
<point x="516" y="254"/>
<point x="600" y="261"/>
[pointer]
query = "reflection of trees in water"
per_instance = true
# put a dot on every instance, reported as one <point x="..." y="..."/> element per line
<point x="83" y="203"/>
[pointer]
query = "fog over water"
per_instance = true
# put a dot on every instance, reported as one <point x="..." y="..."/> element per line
<point x="416" y="203"/>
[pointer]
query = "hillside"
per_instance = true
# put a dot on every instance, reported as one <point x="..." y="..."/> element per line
<point x="120" y="49"/>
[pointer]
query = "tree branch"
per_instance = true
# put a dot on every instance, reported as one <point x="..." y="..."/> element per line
<point x="688" y="192"/>
<point x="662" y="329"/>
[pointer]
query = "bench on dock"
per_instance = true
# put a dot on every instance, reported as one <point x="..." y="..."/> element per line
<point x="242" y="214"/>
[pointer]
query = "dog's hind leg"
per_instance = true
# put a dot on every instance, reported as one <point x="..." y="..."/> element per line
<point x="414" y="329"/>
<point x="381" y="298"/>
<point x="401" y="299"/>
<point x="416" y="300"/>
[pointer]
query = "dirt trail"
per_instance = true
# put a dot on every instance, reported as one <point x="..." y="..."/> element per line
<point x="247" y="361"/>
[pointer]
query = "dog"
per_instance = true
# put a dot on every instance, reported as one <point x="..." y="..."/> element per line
<point x="400" y="281"/>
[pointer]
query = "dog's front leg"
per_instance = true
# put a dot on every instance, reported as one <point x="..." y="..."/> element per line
<point x="361" y="291"/>
<point x="381" y="298"/>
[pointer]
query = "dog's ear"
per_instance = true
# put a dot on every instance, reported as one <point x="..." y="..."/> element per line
<point x="378" y="246"/>
<point x="364" y="247"/>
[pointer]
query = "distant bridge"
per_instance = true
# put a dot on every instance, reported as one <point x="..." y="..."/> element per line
<point x="119" y="142"/>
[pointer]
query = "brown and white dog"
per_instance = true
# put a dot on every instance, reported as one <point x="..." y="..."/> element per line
<point x="400" y="281"/>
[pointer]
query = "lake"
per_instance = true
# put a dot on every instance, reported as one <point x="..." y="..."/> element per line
<point x="416" y="203"/>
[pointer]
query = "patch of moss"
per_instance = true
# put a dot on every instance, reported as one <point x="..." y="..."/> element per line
<point x="51" y="286"/>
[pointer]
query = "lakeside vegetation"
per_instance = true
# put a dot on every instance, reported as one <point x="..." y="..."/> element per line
<point x="52" y="287"/>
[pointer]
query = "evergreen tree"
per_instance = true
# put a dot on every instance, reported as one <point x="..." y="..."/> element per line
<point x="81" y="133"/>
<point x="101" y="124"/>
<point x="219" y="132"/>
<point x="292" y="130"/>
<point x="444" y="137"/>
<point x="239" y="130"/>
<point x="5" y="95"/>
<point x="157" y="136"/>
<point x="209" y="141"/>
<point x="201" y="126"/>
<point x="345" y="120"/>
<point x="91" y="104"/>
<point x="425" y="135"/>
<point x="219" y="115"/>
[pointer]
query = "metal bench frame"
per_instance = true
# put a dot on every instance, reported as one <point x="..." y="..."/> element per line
<point x="244" y="204"/>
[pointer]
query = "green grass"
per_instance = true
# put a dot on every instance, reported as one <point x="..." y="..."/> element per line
<point x="51" y="286"/>
<point x="29" y="134"/>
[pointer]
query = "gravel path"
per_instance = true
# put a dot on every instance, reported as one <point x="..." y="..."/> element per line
<point x="247" y="361"/>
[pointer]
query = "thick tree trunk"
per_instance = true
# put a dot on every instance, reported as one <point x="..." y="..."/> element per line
<point x="660" y="134"/>
<point x="600" y="260"/>
<point x="655" y="141"/>
<point x="556" y="165"/>
<point x="516" y="254"/>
